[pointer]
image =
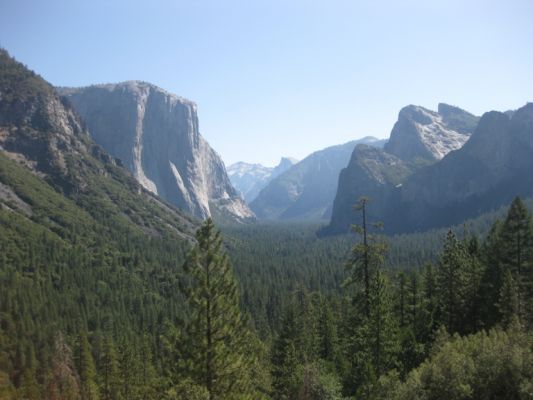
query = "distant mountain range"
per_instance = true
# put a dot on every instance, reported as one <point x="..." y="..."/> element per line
<point x="439" y="169"/>
<point x="307" y="189"/>
<point x="156" y="136"/>
<point x="250" y="179"/>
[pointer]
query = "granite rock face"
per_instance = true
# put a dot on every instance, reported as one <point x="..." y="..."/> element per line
<point x="424" y="135"/>
<point x="487" y="172"/>
<point x="491" y="169"/>
<point x="250" y="179"/>
<point x="156" y="136"/>
<point x="44" y="135"/>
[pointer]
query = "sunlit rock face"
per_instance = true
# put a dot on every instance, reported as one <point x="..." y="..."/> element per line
<point x="422" y="134"/>
<point x="156" y="136"/>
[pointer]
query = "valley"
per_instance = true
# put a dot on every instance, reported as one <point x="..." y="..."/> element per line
<point x="137" y="263"/>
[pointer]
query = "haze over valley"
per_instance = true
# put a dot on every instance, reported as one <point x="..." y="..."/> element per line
<point x="266" y="200"/>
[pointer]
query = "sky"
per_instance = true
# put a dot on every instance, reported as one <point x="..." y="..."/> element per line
<point x="275" y="78"/>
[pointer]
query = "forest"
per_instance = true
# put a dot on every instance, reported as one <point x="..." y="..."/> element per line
<point x="267" y="312"/>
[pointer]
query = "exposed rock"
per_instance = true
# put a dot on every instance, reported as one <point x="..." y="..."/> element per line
<point x="156" y="136"/>
<point x="250" y="179"/>
<point x="42" y="133"/>
<point x="424" y="135"/>
<point x="492" y="167"/>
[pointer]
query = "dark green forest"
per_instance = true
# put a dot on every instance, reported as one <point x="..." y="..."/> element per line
<point x="90" y="310"/>
<point x="107" y="292"/>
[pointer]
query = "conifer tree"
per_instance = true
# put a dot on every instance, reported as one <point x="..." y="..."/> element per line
<point x="285" y="360"/>
<point x="382" y="328"/>
<point x="213" y="349"/>
<point x="64" y="383"/>
<point x="29" y="387"/>
<point x="450" y="283"/>
<point x="517" y="249"/>
<point x="429" y="307"/>
<point x="492" y="279"/>
<point x="328" y="335"/>
<point x="367" y="255"/>
<point x="86" y="369"/>
<point x="147" y="380"/>
<point x="110" y="371"/>
<point x="473" y="271"/>
<point x="509" y="302"/>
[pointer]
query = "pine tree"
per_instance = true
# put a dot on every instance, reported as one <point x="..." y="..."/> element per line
<point x="110" y="384"/>
<point x="402" y="297"/>
<point x="450" y="283"/>
<point x="509" y="302"/>
<point x="517" y="249"/>
<point x="429" y="307"/>
<point x="329" y="340"/>
<point x="285" y="360"/>
<point x="29" y="387"/>
<point x="382" y="328"/>
<point x="492" y="279"/>
<point x="473" y="271"/>
<point x="86" y="369"/>
<point x="148" y="381"/>
<point x="366" y="257"/>
<point x="214" y="343"/>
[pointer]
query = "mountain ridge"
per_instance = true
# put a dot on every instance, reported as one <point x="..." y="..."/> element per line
<point x="490" y="169"/>
<point x="307" y="189"/>
<point x="156" y="135"/>
<point x="249" y="179"/>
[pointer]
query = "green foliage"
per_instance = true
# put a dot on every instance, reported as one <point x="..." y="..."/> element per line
<point x="493" y="365"/>
<point x="213" y="348"/>
<point x="90" y="276"/>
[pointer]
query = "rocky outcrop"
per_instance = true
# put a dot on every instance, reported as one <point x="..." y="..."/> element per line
<point x="492" y="167"/>
<point x="156" y="136"/>
<point x="307" y="189"/>
<point x="423" y="135"/>
<point x="43" y="134"/>
<point x="371" y="173"/>
<point x="250" y="179"/>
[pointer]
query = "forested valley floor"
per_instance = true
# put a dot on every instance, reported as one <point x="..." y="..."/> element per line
<point x="266" y="311"/>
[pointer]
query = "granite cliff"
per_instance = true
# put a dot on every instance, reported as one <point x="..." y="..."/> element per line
<point x="429" y="191"/>
<point x="156" y="136"/>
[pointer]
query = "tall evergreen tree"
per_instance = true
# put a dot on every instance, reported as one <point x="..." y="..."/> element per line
<point x="285" y="358"/>
<point x="450" y="283"/>
<point x="214" y="349"/>
<point x="382" y="327"/>
<point x="367" y="255"/>
<point x="517" y="249"/>
<point x="493" y="275"/>
<point x="110" y="371"/>
<point x="86" y="369"/>
<point x="509" y="301"/>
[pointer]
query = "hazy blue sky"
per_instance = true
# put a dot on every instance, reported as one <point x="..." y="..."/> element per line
<point x="285" y="78"/>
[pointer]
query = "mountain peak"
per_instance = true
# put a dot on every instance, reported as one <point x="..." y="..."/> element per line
<point x="156" y="135"/>
<point x="249" y="179"/>
<point x="424" y="134"/>
<point x="284" y="164"/>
